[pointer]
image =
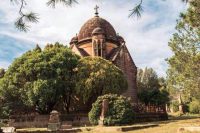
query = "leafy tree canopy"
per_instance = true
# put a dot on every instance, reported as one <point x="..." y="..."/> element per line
<point x="184" y="66"/>
<point x="192" y="16"/>
<point x="151" y="88"/>
<point x="40" y="78"/>
<point x="97" y="76"/>
<point x="2" y="72"/>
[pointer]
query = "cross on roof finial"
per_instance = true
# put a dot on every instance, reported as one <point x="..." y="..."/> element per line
<point x="96" y="10"/>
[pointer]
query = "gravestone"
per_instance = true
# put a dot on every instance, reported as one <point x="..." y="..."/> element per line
<point x="54" y="121"/>
<point x="104" y="109"/>
<point x="7" y="130"/>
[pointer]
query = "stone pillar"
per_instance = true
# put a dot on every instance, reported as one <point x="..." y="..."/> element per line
<point x="181" y="111"/>
<point x="54" y="121"/>
<point x="104" y="109"/>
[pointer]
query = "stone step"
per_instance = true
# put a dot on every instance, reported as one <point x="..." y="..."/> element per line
<point x="66" y="127"/>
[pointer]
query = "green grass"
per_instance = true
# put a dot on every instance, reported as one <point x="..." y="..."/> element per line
<point x="170" y="126"/>
<point x="32" y="129"/>
<point x="1" y="124"/>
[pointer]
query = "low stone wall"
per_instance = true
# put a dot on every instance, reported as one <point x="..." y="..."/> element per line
<point x="41" y="121"/>
<point x="24" y="121"/>
<point x="144" y="117"/>
<point x="76" y="119"/>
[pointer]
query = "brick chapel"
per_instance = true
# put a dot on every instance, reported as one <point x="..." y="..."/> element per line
<point x="97" y="37"/>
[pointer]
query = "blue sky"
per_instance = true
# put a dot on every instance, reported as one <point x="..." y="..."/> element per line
<point x="146" y="38"/>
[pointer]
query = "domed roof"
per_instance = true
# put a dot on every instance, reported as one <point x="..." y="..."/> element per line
<point x="97" y="30"/>
<point x="120" y="39"/>
<point x="97" y="22"/>
<point x="74" y="40"/>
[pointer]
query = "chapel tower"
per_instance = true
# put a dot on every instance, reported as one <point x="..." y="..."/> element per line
<point x="97" y="37"/>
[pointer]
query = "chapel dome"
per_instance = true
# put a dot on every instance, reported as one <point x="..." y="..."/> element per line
<point x="74" y="40"/>
<point x="97" y="31"/>
<point x="120" y="39"/>
<point x="99" y="23"/>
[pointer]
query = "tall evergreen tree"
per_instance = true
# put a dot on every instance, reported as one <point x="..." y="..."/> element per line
<point x="151" y="88"/>
<point x="184" y="65"/>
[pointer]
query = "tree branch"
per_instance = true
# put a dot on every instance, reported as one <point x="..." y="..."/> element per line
<point x="21" y="22"/>
<point x="136" y="11"/>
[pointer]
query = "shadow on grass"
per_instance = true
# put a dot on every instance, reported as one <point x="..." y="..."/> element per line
<point x="183" y="117"/>
<point x="172" y="119"/>
<point x="125" y="129"/>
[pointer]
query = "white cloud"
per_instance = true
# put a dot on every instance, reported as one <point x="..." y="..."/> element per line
<point x="146" y="38"/>
<point x="4" y="64"/>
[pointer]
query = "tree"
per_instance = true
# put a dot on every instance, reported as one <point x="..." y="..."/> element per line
<point x="184" y="66"/>
<point x="138" y="9"/>
<point x="147" y="79"/>
<point x="2" y="72"/>
<point x="151" y="89"/>
<point x="32" y="17"/>
<point x="192" y="16"/>
<point x="40" y="79"/>
<point x="97" y="76"/>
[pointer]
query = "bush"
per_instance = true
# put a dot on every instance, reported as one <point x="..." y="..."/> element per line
<point x="174" y="106"/>
<point x="194" y="107"/>
<point x="119" y="110"/>
<point x="4" y="111"/>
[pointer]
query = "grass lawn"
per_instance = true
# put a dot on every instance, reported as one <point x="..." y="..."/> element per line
<point x="170" y="126"/>
<point x="32" y="129"/>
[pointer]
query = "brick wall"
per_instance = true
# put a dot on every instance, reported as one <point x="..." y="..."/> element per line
<point x="125" y="63"/>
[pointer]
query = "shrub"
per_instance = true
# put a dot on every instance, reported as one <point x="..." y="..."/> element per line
<point x="4" y="111"/>
<point x="175" y="106"/>
<point x="194" y="107"/>
<point x="119" y="110"/>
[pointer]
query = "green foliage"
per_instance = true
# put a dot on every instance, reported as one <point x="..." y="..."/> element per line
<point x="40" y="79"/>
<point x="119" y="111"/>
<point x="155" y="97"/>
<point x="24" y="18"/>
<point x="137" y="10"/>
<point x="97" y="76"/>
<point x="175" y="106"/>
<point x="53" y="3"/>
<point x="184" y="66"/>
<point x="151" y="89"/>
<point x="4" y="111"/>
<point x="2" y="72"/>
<point x="194" y="106"/>
<point x="147" y="79"/>
<point x="184" y="69"/>
<point x="192" y="15"/>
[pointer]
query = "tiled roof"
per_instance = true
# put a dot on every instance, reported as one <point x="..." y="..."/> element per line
<point x="93" y="23"/>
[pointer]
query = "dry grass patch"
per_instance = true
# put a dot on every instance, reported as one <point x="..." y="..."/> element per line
<point x="170" y="126"/>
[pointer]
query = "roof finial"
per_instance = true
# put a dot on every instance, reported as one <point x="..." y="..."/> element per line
<point x="96" y="10"/>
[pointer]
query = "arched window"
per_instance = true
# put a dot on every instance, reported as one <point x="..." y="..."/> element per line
<point x="99" y="48"/>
